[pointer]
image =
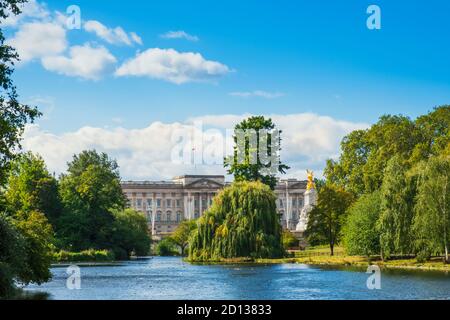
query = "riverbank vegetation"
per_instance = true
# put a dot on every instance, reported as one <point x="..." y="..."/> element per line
<point x="63" y="256"/>
<point x="397" y="173"/>
<point x="321" y="256"/>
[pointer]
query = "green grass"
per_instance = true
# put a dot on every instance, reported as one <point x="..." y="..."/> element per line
<point x="321" y="256"/>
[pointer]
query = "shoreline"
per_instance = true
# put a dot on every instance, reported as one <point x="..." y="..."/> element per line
<point x="337" y="262"/>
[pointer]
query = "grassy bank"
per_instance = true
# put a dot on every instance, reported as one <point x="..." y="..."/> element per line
<point x="321" y="256"/>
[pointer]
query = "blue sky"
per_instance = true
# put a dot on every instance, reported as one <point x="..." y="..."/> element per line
<point x="301" y="56"/>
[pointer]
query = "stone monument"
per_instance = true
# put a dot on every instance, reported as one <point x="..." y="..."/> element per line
<point x="310" y="201"/>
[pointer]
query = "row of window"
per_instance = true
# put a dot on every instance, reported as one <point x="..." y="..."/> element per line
<point x="176" y="203"/>
<point x="167" y="217"/>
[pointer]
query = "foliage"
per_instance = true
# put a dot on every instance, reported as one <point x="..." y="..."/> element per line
<point x="328" y="216"/>
<point x="182" y="234"/>
<point x="12" y="254"/>
<point x="130" y="234"/>
<point x="251" y="169"/>
<point x="166" y="248"/>
<point x="83" y="256"/>
<point x="242" y="222"/>
<point x="13" y="115"/>
<point x="397" y="208"/>
<point x="366" y="153"/>
<point x="432" y="220"/>
<point x="360" y="235"/>
<point x="31" y="187"/>
<point x="289" y="240"/>
<point x="38" y="243"/>
<point x="89" y="191"/>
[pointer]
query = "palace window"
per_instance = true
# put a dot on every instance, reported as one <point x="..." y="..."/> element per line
<point x="169" y="216"/>
<point x="168" y="203"/>
<point x="158" y="217"/>
<point x="204" y="203"/>
<point x="138" y="203"/>
<point x="196" y="203"/>
<point x="149" y="203"/>
<point x="178" y="216"/>
<point x="158" y="203"/>
<point x="178" y="203"/>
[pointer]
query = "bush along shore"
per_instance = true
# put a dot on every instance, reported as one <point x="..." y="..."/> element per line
<point x="87" y="256"/>
<point x="320" y="256"/>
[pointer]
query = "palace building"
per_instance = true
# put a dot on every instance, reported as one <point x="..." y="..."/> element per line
<point x="167" y="203"/>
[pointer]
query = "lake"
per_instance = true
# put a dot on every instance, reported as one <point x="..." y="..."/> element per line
<point x="161" y="278"/>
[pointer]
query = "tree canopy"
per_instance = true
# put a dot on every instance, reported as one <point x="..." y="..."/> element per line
<point x="328" y="216"/>
<point x="256" y="152"/>
<point x="89" y="191"/>
<point x="242" y="222"/>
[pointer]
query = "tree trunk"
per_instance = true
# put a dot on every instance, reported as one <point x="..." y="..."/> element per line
<point x="446" y="254"/>
<point x="332" y="248"/>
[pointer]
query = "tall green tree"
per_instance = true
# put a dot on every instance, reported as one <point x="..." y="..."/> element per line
<point x="89" y="191"/>
<point x="397" y="209"/>
<point x="259" y="138"/>
<point x="12" y="255"/>
<point x="30" y="187"/>
<point x="360" y="234"/>
<point x="130" y="234"/>
<point x="13" y="114"/>
<point x="432" y="219"/>
<point x="242" y="222"/>
<point x="328" y="216"/>
<point x="182" y="234"/>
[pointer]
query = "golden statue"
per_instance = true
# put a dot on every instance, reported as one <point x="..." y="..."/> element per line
<point x="311" y="184"/>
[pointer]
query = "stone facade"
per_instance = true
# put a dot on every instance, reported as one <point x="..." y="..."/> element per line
<point x="167" y="203"/>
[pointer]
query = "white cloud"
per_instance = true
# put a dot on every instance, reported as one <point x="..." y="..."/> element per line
<point x="83" y="61"/>
<point x="35" y="40"/>
<point x="113" y="36"/>
<point x="179" y="35"/>
<point x="257" y="93"/>
<point x="308" y="140"/>
<point x="30" y="10"/>
<point x="173" y="66"/>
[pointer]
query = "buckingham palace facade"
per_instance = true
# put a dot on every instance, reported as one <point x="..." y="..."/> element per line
<point x="167" y="203"/>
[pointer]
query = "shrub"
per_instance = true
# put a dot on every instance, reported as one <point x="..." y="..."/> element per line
<point x="84" y="256"/>
<point x="166" y="247"/>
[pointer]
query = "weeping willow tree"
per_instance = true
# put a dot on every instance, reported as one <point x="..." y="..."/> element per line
<point x="242" y="222"/>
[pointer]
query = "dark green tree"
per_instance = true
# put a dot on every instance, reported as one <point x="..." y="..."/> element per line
<point x="360" y="235"/>
<point x="328" y="216"/>
<point x="12" y="256"/>
<point x="89" y="191"/>
<point x="30" y="187"/>
<point x="397" y="209"/>
<point x="242" y="222"/>
<point x="253" y="138"/>
<point x="130" y="234"/>
<point x="432" y="219"/>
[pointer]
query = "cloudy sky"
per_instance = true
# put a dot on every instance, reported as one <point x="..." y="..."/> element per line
<point x="133" y="75"/>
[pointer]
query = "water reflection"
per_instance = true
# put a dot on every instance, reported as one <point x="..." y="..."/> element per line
<point x="172" y="278"/>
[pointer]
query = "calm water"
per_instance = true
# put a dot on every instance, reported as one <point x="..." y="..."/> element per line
<point x="171" y="278"/>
